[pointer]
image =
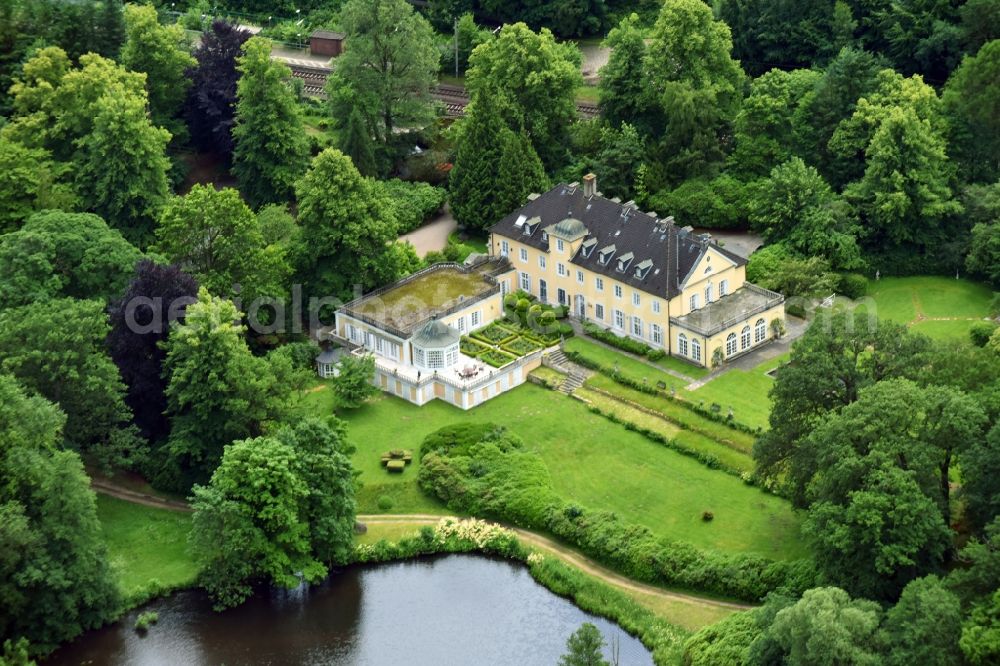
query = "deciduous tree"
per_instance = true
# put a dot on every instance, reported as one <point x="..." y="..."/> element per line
<point x="217" y="391"/>
<point x="63" y="254"/>
<point x="271" y="150"/>
<point x="211" y="101"/>
<point x="924" y="626"/>
<point x="353" y="384"/>
<point x="537" y="78"/>
<point x="162" y="53"/>
<point x="216" y="238"/>
<point x="55" y="581"/>
<point x="972" y="100"/>
<point x="140" y="324"/>
<point x="583" y="647"/>
<point x="388" y="68"/>
<point x="826" y="626"/>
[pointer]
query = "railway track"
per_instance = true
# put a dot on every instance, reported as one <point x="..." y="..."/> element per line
<point x="454" y="98"/>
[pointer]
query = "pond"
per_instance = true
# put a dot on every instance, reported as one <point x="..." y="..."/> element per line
<point x="456" y="609"/>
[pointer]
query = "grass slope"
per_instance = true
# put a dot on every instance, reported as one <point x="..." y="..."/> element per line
<point x="592" y="461"/>
<point x="147" y="547"/>
<point x="743" y="390"/>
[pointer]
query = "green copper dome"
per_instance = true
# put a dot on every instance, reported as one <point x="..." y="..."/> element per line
<point x="436" y="335"/>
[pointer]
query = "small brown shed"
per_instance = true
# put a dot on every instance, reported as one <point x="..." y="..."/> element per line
<point x="326" y="43"/>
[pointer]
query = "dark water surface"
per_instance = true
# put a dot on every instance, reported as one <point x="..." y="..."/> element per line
<point x="457" y="609"/>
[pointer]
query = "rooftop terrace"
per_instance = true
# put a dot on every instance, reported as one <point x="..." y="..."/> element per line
<point x="733" y="308"/>
<point x="433" y="292"/>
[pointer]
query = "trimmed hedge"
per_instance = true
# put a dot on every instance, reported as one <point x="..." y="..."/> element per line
<point x="495" y="334"/>
<point x="496" y="358"/>
<point x="496" y="478"/>
<point x="521" y="346"/>
<point x="625" y="344"/>
<point x="472" y="347"/>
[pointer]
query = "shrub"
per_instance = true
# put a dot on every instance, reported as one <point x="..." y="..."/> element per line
<point x="523" y="304"/>
<point x="384" y="503"/>
<point x="625" y="344"/>
<point x="853" y="285"/>
<point x="510" y="301"/>
<point x="413" y="202"/>
<point x="395" y="466"/>
<point x="707" y="516"/>
<point x="795" y="310"/>
<point x="980" y="332"/>
<point x="145" y="619"/>
<point x="547" y="318"/>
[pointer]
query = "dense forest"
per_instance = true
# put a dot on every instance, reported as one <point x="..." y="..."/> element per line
<point x="857" y="137"/>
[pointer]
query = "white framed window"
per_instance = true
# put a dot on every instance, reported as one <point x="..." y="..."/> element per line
<point x="635" y="298"/>
<point x="524" y="254"/>
<point x="723" y="288"/>
<point x="745" y="338"/>
<point x="656" y="307"/>
<point x="618" y="291"/>
<point x="525" y="282"/>
<point x="619" y="319"/>
<point x="694" y="301"/>
<point x="636" y="327"/>
<point x="380" y="345"/>
<point x="682" y="344"/>
<point x="475" y="318"/>
<point x="394" y="350"/>
<point x="504" y="248"/>
<point x="541" y="261"/>
<point x="656" y="334"/>
<point x="599" y="283"/>
<point x="435" y="358"/>
<point x="599" y="311"/>
<point x="504" y="288"/>
<point x="418" y="356"/>
<point x="559" y="244"/>
<point x="561" y="270"/>
<point x="759" y="331"/>
<point x="579" y="277"/>
<point x="460" y="324"/>
<point x="730" y="344"/>
<point x="695" y="349"/>
<point x="708" y="293"/>
<point x="451" y="357"/>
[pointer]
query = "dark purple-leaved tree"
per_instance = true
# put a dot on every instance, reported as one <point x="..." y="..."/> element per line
<point x="212" y="97"/>
<point x="140" y="320"/>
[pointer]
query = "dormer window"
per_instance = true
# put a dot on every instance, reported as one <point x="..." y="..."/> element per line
<point x="605" y="254"/>
<point x="588" y="246"/>
<point x="642" y="269"/>
<point x="624" y="261"/>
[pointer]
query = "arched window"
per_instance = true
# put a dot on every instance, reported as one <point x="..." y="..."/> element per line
<point x="760" y="332"/>
<point x="682" y="345"/>
<point x="745" y="338"/>
<point x="695" y="349"/>
<point x="731" y="344"/>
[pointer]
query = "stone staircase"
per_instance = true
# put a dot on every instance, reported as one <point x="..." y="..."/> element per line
<point x="575" y="375"/>
<point x="573" y="381"/>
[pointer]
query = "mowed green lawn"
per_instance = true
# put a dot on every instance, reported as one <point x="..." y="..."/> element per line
<point x="746" y="391"/>
<point x="939" y="307"/>
<point x="592" y="461"/>
<point x="147" y="546"/>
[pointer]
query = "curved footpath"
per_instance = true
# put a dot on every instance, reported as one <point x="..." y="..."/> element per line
<point x="565" y="554"/>
<point x="540" y="542"/>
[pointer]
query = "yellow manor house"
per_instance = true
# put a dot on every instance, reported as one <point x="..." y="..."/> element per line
<point x="636" y="274"/>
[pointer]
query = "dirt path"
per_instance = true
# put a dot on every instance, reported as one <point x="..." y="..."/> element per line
<point x="138" y="498"/>
<point x="568" y="556"/>
<point x="433" y="236"/>
<point x="540" y="542"/>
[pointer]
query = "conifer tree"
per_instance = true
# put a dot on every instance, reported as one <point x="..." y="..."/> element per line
<point x="357" y="144"/>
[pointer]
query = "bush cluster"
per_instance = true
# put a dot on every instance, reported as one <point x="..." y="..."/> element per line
<point x="487" y="473"/>
<point x="981" y="332"/>
<point x="625" y="344"/>
<point x="414" y="203"/>
<point x="853" y="285"/>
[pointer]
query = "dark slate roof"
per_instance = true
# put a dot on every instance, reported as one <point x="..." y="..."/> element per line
<point x="663" y="252"/>
<point x="327" y="34"/>
<point x="436" y="335"/>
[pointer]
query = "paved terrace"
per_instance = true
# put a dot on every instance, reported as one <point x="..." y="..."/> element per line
<point x="733" y="308"/>
<point x="435" y="291"/>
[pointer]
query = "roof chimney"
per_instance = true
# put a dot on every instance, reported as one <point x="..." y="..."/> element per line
<point x="589" y="185"/>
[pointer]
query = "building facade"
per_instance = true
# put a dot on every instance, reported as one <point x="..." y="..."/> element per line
<point x="636" y="274"/>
